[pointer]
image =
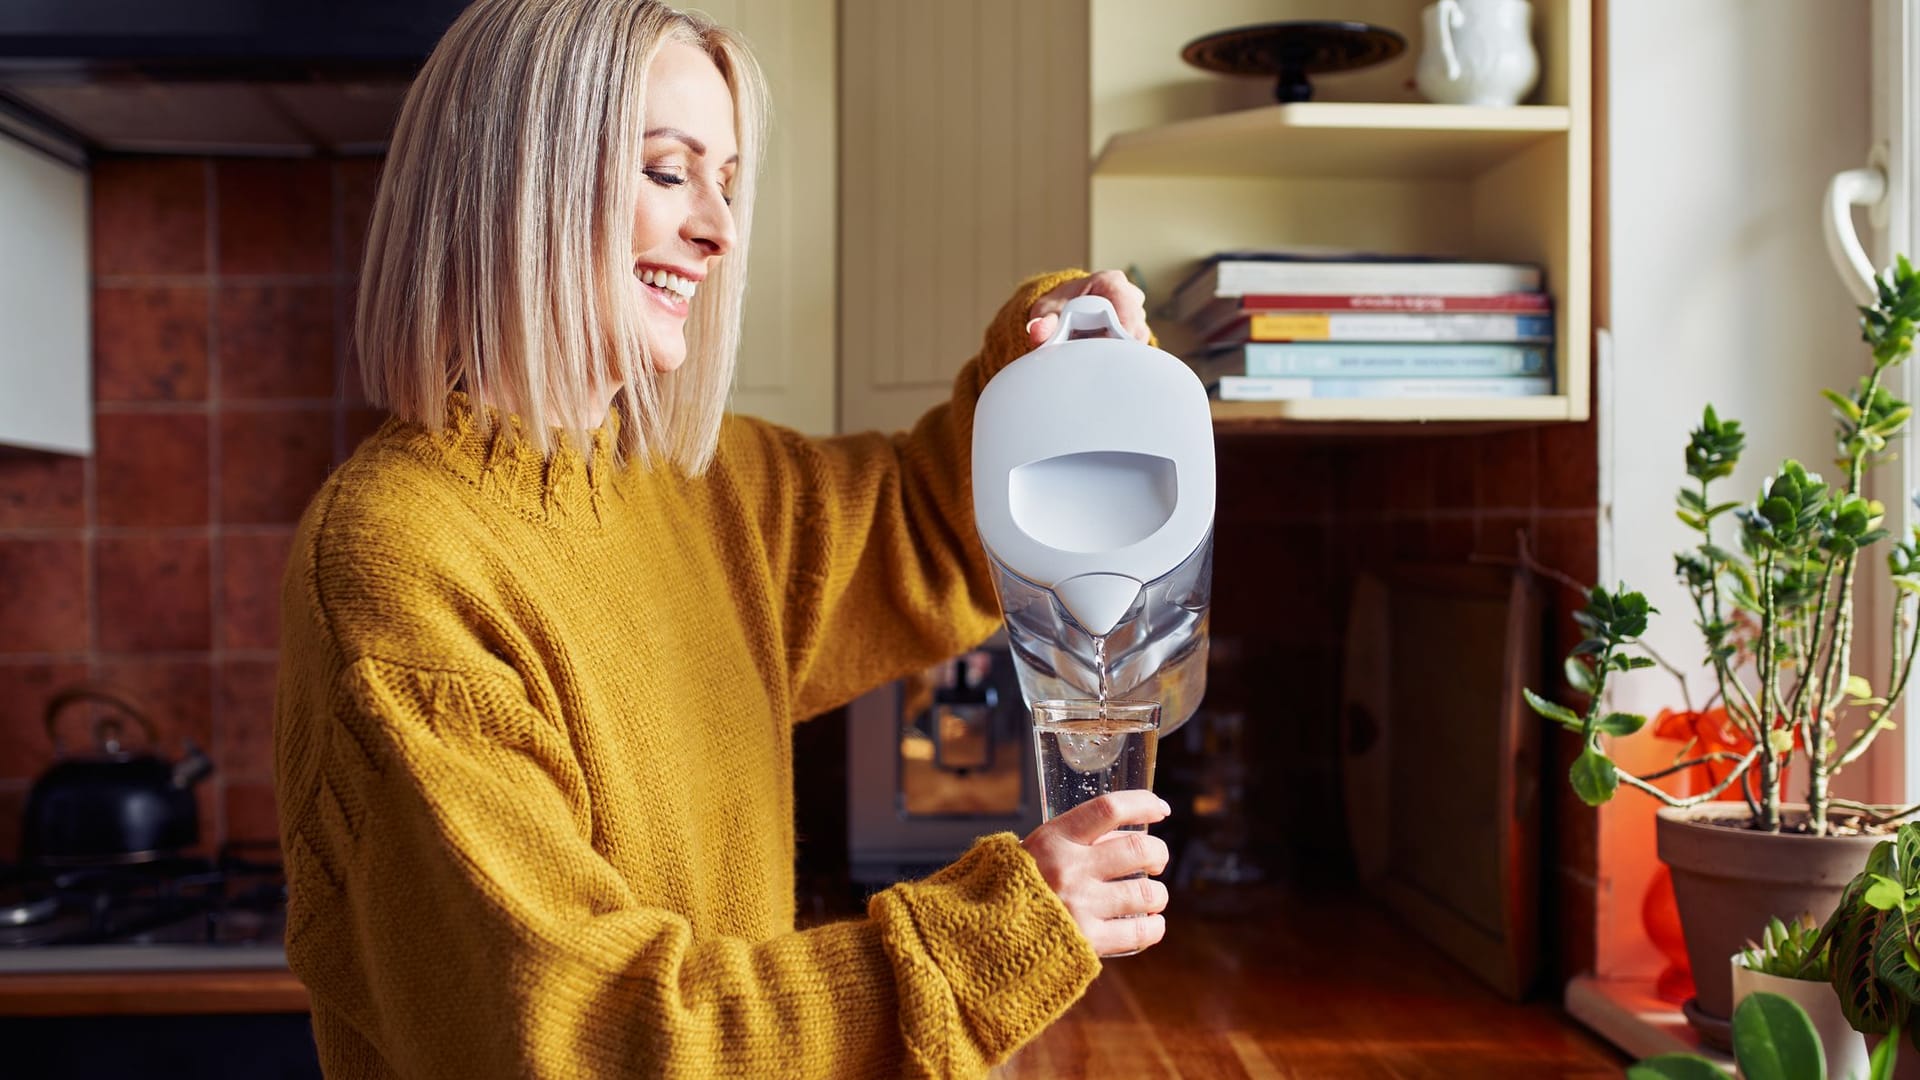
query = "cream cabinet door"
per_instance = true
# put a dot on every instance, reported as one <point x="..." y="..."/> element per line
<point x="963" y="162"/>
<point x="786" y="369"/>
<point x="46" y="387"/>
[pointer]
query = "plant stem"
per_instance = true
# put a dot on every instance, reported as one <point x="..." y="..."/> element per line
<point x="1769" y="673"/>
<point x="1717" y="755"/>
<point x="1693" y="800"/>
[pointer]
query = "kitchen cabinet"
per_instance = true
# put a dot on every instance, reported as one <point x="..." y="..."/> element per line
<point x="979" y="145"/>
<point x="46" y="382"/>
<point x="786" y="368"/>
<point x="963" y="161"/>
<point x="1188" y="164"/>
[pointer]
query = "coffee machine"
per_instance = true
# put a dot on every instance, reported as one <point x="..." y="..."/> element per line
<point x="1093" y="490"/>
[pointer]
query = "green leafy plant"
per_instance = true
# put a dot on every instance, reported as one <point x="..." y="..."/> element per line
<point x="1773" y="1039"/>
<point x="1776" y="614"/>
<point x="1789" y="950"/>
<point x="1872" y="939"/>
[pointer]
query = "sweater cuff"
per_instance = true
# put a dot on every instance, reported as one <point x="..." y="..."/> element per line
<point x="1008" y="950"/>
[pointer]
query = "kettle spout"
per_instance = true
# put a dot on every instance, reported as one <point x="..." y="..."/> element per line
<point x="194" y="767"/>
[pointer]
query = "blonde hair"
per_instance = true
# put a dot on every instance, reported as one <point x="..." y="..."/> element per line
<point x="499" y="259"/>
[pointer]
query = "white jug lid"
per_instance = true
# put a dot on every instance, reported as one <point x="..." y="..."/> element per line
<point x="1093" y="455"/>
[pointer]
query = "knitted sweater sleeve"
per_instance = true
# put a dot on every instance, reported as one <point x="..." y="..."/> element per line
<point x="456" y="921"/>
<point x="872" y="535"/>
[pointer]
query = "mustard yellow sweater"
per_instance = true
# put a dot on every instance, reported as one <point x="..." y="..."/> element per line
<point x="534" y="767"/>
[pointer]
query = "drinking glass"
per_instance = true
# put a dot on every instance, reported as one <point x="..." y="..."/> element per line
<point x="1086" y="748"/>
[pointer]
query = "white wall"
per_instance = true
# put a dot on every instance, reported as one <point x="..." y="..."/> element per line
<point x="1725" y="120"/>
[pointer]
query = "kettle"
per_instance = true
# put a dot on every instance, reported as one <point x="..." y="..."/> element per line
<point x="1093" y="492"/>
<point x="114" y="806"/>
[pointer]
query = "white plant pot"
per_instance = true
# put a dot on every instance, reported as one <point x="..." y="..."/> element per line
<point x="1845" y="1048"/>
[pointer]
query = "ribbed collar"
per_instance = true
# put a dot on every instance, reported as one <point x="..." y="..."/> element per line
<point x="489" y="449"/>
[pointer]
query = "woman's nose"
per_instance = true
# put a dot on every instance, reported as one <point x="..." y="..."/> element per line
<point x="711" y="224"/>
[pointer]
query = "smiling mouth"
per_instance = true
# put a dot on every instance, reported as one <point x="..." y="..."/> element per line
<point x="667" y="287"/>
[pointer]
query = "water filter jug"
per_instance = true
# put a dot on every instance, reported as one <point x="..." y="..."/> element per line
<point x="1093" y="490"/>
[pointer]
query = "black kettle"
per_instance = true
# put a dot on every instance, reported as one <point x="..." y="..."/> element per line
<point x="113" y="806"/>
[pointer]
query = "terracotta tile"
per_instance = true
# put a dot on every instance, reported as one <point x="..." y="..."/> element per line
<point x="275" y="216"/>
<point x="251" y="817"/>
<point x="357" y="181"/>
<point x="276" y="341"/>
<point x="25" y="689"/>
<point x="151" y="469"/>
<point x="43" y="594"/>
<point x="1450" y="540"/>
<point x="1455" y="460"/>
<point x="13" y="807"/>
<point x="361" y="423"/>
<point x="153" y="593"/>
<point x="176" y="695"/>
<point x="251" y="565"/>
<point x="1499" y="534"/>
<point x="149" y="216"/>
<point x="1408" y="469"/>
<point x="245" y="708"/>
<point x="41" y="491"/>
<point x="1506" y="471"/>
<point x="271" y="463"/>
<point x="150" y="343"/>
<point x="1570" y="467"/>
<point x="1570" y="545"/>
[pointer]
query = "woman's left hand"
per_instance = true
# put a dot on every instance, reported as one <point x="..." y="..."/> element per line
<point x="1128" y="302"/>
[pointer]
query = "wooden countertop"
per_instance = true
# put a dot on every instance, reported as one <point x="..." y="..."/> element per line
<point x="1287" y="986"/>
<point x="150" y="993"/>
<point x="1279" y="986"/>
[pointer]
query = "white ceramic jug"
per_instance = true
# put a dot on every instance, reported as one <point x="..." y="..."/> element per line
<point x="1477" y="52"/>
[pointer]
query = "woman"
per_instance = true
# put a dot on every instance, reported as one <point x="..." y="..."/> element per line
<point x="546" y="631"/>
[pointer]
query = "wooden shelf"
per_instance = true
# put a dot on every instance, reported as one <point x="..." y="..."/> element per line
<point x="1335" y="139"/>
<point x="1332" y="416"/>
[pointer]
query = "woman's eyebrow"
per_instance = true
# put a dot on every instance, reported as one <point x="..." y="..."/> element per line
<point x="699" y="148"/>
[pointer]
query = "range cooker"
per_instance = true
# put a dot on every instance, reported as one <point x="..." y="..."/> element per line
<point x="177" y="913"/>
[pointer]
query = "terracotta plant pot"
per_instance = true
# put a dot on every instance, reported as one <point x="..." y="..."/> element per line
<point x="1729" y="881"/>
<point x="1845" y="1048"/>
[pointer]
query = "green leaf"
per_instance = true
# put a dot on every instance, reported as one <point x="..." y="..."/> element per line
<point x="1880" y="1064"/>
<point x="1846" y="406"/>
<point x="1557" y="713"/>
<point x="1884" y="893"/>
<point x="1691" y="520"/>
<point x="1593" y="777"/>
<point x="1871" y="1006"/>
<point x="1774" y="1040"/>
<point x="1675" y="1067"/>
<point x="1635" y="663"/>
<point x="1690" y="499"/>
<point x="1580" y="676"/>
<point x="1620" y="723"/>
<point x="1858" y="687"/>
<point x="1780" y="740"/>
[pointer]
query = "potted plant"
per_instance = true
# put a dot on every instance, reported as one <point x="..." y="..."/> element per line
<point x="1790" y="960"/>
<point x="1773" y="1039"/>
<point x="1872" y="943"/>
<point x="1775" y="611"/>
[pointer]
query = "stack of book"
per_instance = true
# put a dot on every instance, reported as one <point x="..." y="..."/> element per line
<point x="1279" y="325"/>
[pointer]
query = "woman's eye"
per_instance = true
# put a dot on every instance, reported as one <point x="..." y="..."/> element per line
<point x="664" y="178"/>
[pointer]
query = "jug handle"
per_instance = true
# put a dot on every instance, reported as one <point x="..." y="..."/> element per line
<point x="1451" y="17"/>
<point x="1088" y="316"/>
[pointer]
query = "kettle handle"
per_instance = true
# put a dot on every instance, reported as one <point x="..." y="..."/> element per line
<point x="101" y="695"/>
<point x="1085" y="317"/>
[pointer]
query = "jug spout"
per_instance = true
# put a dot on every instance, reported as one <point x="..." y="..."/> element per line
<point x="1097" y="601"/>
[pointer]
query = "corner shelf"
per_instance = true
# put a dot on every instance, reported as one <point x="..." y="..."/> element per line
<point x="1323" y="416"/>
<point x="1334" y="139"/>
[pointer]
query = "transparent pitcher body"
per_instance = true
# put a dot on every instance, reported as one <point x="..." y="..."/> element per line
<point x="1156" y="652"/>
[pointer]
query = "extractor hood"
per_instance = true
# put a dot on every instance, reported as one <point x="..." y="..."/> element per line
<point x="273" y="77"/>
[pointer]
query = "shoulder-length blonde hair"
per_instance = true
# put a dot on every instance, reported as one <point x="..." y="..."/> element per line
<point x="499" y="260"/>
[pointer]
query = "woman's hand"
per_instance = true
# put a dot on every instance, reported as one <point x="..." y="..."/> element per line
<point x="1084" y="861"/>
<point x="1128" y="302"/>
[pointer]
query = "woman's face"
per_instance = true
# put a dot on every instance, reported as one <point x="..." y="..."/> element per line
<point x="683" y="223"/>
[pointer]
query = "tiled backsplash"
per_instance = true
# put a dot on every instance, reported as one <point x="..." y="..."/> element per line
<point x="223" y="292"/>
<point x="222" y="298"/>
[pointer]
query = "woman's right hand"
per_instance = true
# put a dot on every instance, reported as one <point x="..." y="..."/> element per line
<point x="1086" y="863"/>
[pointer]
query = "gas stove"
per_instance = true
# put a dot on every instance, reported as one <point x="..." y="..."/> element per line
<point x="181" y="913"/>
